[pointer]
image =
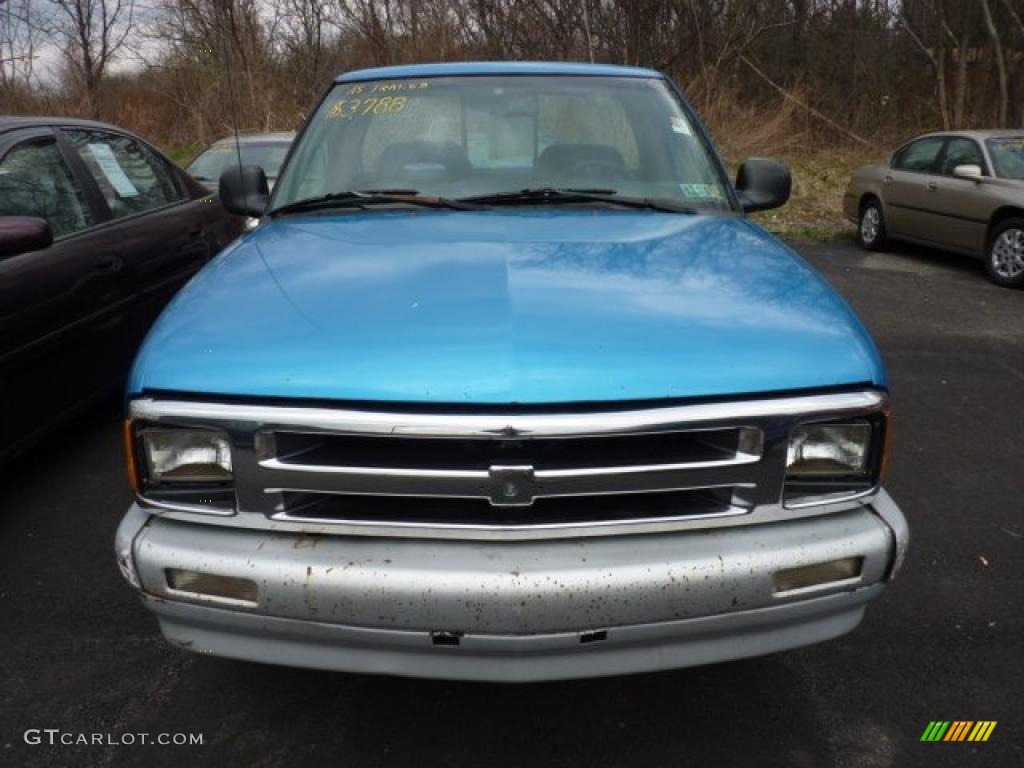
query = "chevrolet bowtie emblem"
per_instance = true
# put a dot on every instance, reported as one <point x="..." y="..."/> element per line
<point x="512" y="486"/>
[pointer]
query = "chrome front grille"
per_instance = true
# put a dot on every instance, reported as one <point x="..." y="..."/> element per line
<point x="449" y="473"/>
<point x="546" y="512"/>
<point x="512" y="469"/>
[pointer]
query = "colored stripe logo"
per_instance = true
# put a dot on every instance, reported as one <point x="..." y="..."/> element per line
<point x="958" y="730"/>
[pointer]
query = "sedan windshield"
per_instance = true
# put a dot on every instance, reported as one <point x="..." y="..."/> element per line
<point x="209" y="165"/>
<point x="1008" y="156"/>
<point x="491" y="138"/>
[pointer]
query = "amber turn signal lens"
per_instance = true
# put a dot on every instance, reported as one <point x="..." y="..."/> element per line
<point x="883" y="467"/>
<point x="129" y="457"/>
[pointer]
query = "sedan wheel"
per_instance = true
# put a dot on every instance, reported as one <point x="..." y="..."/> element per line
<point x="871" y="232"/>
<point x="1006" y="254"/>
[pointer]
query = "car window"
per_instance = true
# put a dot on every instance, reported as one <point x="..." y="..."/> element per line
<point x="918" y="156"/>
<point x="1008" y="156"/>
<point x="961" y="151"/>
<point x="35" y="181"/>
<point x="211" y="164"/>
<point x="131" y="178"/>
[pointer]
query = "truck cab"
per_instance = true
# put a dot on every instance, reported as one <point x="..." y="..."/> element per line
<point x="506" y="386"/>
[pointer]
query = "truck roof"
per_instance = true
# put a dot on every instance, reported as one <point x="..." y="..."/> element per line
<point x="495" y="68"/>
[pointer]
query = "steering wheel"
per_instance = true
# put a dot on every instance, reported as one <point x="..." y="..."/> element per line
<point x="596" y="169"/>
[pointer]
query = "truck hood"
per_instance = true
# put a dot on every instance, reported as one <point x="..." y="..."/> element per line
<point x="511" y="306"/>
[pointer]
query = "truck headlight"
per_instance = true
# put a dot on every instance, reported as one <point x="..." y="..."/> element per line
<point x="833" y="461"/>
<point x="186" y="456"/>
<point x="829" y="450"/>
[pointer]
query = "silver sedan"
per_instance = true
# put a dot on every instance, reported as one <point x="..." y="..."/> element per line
<point x="962" y="191"/>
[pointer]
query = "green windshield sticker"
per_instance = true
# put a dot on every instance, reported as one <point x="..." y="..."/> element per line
<point x="702" y="191"/>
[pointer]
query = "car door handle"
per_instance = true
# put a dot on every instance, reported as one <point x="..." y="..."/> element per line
<point x="932" y="185"/>
<point x="111" y="263"/>
<point x="887" y="179"/>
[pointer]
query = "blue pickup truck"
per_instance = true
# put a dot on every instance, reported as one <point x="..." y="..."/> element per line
<point x="506" y="386"/>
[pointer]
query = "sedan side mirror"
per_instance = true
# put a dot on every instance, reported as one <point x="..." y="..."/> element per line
<point x="970" y="172"/>
<point x="762" y="184"/>
<point x="244" y="190"/>
<point x="22" y="234"/>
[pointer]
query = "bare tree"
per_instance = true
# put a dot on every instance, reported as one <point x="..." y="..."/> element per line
<point x="21" y="34"/>
<point x="846" y="70"/>
<point x="937" y="58"/>
<point x="997" y="52"/>
<point x="305" y="40"/>
<point x="90" y="34"/>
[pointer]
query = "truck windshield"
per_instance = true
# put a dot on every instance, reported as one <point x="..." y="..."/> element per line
<point x="464" y="137"/>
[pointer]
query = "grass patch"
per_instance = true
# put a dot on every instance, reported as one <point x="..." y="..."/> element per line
<point x="182" y="154"/>
<point x="815" y="210"/>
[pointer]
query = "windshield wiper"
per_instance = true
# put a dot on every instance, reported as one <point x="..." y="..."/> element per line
<point x="363" y="198"/>
<point x="578" y="195"/>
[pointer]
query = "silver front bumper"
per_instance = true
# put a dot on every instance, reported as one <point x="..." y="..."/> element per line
<point x="518" y="611"/>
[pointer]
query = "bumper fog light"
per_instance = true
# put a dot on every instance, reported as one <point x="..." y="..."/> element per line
<point x="818" y="574"/>
<point x="212" y="586"/>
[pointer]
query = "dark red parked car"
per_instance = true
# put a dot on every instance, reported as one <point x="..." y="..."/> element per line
<point x="98" y="230"/>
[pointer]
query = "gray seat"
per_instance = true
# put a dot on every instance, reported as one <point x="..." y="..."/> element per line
<point x="408" y="159"/>
<point x="564" y="160"/>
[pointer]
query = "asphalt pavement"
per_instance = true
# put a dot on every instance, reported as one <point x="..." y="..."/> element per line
<point x="78" y="652"/>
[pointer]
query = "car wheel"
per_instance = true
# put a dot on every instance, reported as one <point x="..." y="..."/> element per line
<point x="871" y="231"/>
<point x="1005" y="258"/>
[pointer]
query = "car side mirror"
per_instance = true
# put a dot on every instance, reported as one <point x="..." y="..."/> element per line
<point x="22" y="234"/>
<point x="970" y="172"/>
<point x="762" y="184"/>
<point x="244" y="190"/>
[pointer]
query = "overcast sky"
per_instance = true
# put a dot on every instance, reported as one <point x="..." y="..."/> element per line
<point x="49" y="55"/>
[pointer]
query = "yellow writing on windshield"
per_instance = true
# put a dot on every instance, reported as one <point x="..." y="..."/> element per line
<point x="347" y="109"/>
<point x="392" y="87"/>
